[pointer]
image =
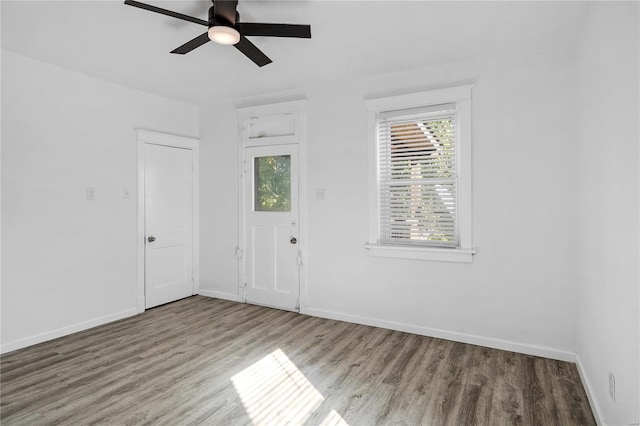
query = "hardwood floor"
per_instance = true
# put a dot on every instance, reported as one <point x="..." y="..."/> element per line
<point x="210" y="361"/>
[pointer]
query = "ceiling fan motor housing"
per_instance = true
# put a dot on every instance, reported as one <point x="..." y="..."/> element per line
<point x="220" y="20"/>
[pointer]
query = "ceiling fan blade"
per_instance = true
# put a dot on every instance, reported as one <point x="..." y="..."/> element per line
<point x="166" y="12"/>
<point x="274" y="30"/>
<point x="252" y="52"/>
<point x="192" y="44"/>
<point x="226" y="9"/>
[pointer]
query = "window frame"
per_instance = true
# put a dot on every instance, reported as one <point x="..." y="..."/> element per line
<point x="461" y="97"/>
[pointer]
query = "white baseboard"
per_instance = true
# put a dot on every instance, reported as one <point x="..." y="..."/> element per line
<point x="63" y="331"/>
<point x="591" y="396"/>
<point x="219" y="294"/>
<point x="542" y="351"/>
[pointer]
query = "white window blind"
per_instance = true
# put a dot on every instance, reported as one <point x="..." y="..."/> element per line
<point x="417" y="176"/>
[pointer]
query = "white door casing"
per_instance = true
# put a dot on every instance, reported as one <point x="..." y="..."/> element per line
<point x="167" y="218"/>
<point x="272" y="231"/>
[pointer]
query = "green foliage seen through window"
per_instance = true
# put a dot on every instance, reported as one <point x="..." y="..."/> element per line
<point x="272" y="183"/>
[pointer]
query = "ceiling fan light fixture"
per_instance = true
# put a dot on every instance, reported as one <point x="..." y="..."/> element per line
<point x="222" y="34"/>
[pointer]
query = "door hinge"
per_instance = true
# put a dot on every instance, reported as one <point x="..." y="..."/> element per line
<point x="299" y="259"/>
<point x="297" y="304"/>
<point x="239" y="253"/>
<point x="244" y="281"/>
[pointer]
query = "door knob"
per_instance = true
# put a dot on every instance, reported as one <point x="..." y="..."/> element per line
<point x="151" y="239"/>
<point x="293" y="240"/>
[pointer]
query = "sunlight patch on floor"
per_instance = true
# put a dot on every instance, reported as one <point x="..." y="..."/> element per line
<point x="334" y="419"/>
<point x="274" y="391"/>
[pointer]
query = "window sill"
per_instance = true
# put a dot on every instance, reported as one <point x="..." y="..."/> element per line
<point x="421" y="253"/>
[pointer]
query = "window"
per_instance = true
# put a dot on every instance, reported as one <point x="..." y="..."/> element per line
<point x="421" y="175"/>
<point x="272" y="183"/>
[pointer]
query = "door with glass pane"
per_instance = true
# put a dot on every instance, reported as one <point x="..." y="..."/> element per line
<point x="271" y="225"/>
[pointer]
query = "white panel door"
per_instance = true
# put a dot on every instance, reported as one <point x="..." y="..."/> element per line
<point x="168" y="198"/>
<point x="271" y="225"/>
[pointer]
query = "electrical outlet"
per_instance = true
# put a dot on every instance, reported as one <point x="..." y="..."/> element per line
<point x="91" y="193"/>
<point x="612" y="386"/>
<point x="319" y="193"/>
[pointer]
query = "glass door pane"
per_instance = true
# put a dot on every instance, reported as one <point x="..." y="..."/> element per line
<point x="272" y="183"/>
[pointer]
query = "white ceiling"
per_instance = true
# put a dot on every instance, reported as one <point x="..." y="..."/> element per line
<point x="130" y="46"/>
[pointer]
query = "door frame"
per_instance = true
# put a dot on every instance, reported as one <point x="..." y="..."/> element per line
<point x="156" y="138"/>
<point x="298" y="110"/>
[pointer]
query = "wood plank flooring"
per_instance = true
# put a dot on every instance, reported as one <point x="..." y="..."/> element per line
<point x="215" y="362"/>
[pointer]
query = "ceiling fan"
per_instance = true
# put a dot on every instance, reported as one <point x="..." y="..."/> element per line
<point x="225" y="28"/>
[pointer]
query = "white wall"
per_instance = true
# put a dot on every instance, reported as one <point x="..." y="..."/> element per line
<point x="219" y="187"/>
<point x="69" y="263"/>
<point x="521" y="285"/>
<point x="608" y="135"/>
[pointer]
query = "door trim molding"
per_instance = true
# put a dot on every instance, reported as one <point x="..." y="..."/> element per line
<point x="299" y="109"/>
<point x="176" y="141"/>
